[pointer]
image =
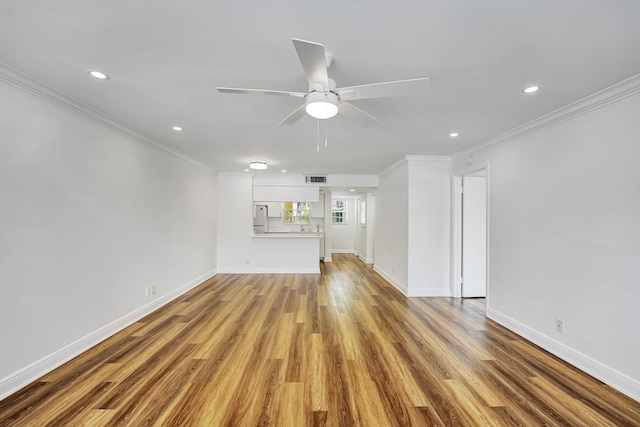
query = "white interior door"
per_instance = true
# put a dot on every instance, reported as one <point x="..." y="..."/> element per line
<point x="474" y="236"/>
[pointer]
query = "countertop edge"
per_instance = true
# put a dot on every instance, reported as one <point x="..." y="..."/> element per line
<point x="288" y="235"/>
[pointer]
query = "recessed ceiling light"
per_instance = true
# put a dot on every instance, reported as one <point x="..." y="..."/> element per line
<point x="353" y="189"/>
<point x="177" y="128"/>
<point x="98" y="75"/>
<point x="283" y="170"/>
<point x="258" y="164"/>
<point x="246" y="170"/>
<point x="531" y="89"/>
<point x="453" y="134"/>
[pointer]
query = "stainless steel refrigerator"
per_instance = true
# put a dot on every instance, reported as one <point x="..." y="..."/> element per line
<point x="261" y="220"/>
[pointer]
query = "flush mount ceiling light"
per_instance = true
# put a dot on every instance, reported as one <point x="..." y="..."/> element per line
<point x="98" y="75"/>
<point x="322" y="105"/>
<point x="454" y="134"/>
<point x="258" y="164"/>
<point x="531" y="89"/>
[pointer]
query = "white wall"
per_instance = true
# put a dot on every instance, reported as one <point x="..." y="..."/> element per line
<point x="565" y="239"/>
<point x="88" y="219"/>
<point x="392" y="226"/>
<point x="429" y="217"/>
<point x="369" y="256"/>
<point x="240" y="252"/>
<point x="361" y="232"/>
<point x="344" y="235"/>
<point x="413" y="217"/>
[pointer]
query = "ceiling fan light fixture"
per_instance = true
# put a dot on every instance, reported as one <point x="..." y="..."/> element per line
<point x="98" y="75"/>
<point x="258" y="164"/>
<point x="322" y="105"/>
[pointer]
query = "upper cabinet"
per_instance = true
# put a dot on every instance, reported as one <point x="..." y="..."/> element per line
<point x="275" y="209"/>
<point x="285" y="193"/>
<point x="317" y="208"/>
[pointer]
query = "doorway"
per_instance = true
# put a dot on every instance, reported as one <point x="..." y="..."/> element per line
<point x="471" y="234"/>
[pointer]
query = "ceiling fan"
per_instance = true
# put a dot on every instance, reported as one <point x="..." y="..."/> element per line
<point x="324" y="100"/>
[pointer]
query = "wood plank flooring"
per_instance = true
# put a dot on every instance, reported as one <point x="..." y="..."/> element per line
<point x="340" y="349"/>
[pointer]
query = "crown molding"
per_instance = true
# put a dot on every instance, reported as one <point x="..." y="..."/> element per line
<point x="609" y="95"/>
<point x="29" y="84"/>
<point x="414" y="158"/>
<point x="425" y="158"/>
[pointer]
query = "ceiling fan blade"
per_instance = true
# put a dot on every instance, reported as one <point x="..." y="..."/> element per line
<point x="260" y="92"/>
<point x="384" y="89"/>
<point x="353" y="112"/>
<point x="313" y="62"/>
<point x="295" y="116"/>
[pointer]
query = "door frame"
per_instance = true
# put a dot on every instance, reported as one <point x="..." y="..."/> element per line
<point x="456" y="229"/>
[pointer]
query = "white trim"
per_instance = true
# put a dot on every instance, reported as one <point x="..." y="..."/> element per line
<point x="343" y="251"/>
<point x="413" y="292"/>
<point x="406" y="159"/>
<point x="29" y="84"/>
<point x="15" y="381"/>
<point x="365" y="260"/>
<point x="604" y="373"/>
<point x="398" y="285"/>
<point x="429" y="292"/>
<point x="456" y="230"/>
<point x="602" y="98"/>
<point x="420" y="158"/>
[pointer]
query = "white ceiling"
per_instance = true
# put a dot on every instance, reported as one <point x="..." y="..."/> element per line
<point x="166" y="57"/>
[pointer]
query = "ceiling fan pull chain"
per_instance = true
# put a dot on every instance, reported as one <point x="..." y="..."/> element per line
<point x="326" y="133"/>
<point x="318" y="137"/>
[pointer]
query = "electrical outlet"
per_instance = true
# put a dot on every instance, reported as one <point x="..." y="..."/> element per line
<point x="560" y="325"/>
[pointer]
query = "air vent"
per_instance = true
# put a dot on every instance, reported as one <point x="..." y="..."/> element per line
<point x="315" y="178"/>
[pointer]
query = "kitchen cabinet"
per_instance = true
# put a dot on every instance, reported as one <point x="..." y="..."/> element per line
<point x="317" y="208"/>
<point x="275" y="209"/>
<point x="285" y="193"/>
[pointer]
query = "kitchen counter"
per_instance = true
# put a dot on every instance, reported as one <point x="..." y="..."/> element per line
<point x="289" y="234"/>
<point x="274" y="252"/>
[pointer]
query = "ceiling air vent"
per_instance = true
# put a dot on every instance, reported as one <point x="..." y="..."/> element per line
<point x="315" y="178"/>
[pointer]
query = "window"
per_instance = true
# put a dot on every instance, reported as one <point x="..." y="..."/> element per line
<point x="338" y="211"/>
<point x="296" y="213"/>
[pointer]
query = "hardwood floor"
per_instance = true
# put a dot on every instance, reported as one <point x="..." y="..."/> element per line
<point x="341" y="349"/>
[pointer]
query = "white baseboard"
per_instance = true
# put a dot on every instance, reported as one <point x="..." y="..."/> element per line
<point x="429" y="292"/>
<point x="396" y="284"/>
<point x="15" y="381"/>
<point x="366" y="260"/>
<point x="414" y="292"/>
<point x="342" y="251"/>
<point x="604" y="373"/>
